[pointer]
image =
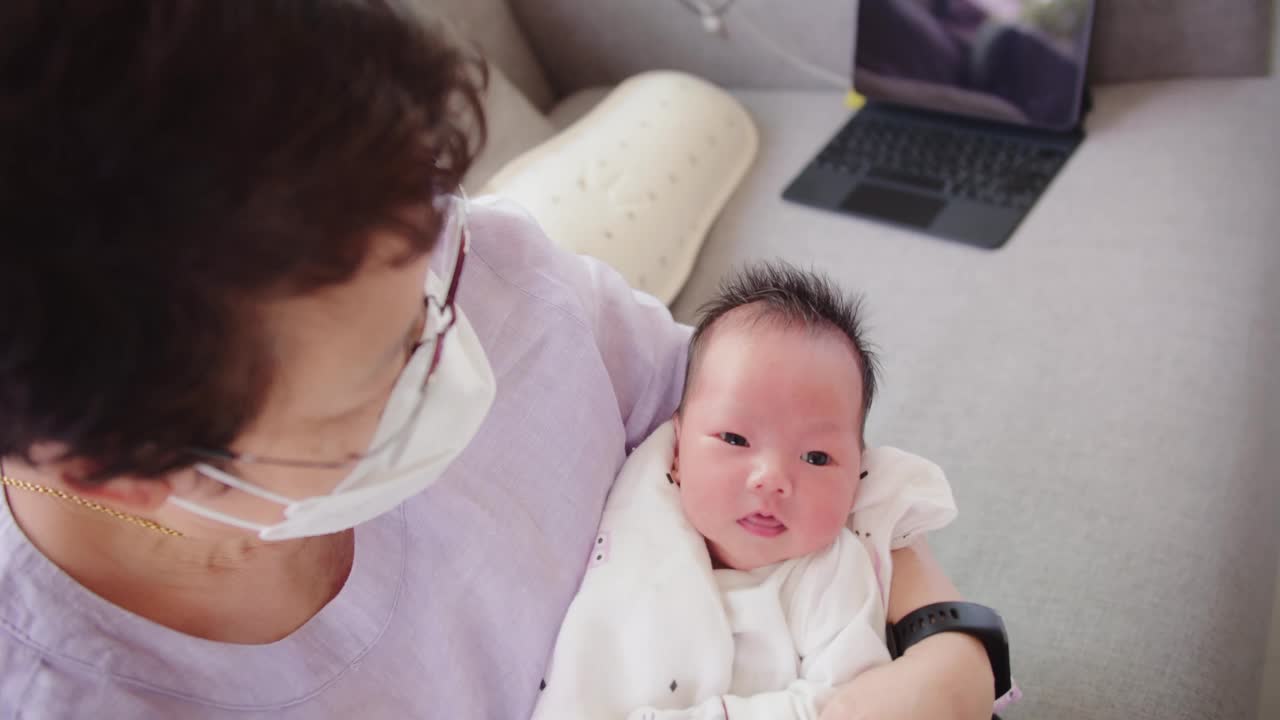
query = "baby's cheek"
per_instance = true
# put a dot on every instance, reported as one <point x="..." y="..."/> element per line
<point x="821" y="528"/>
<point x="835" y="515"/>
<point x="696" y="504"/>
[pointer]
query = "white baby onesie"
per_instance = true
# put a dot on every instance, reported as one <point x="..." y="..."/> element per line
<point x="655" y="632"/>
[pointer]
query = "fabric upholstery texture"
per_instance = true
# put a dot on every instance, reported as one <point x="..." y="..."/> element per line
<point x="514" y="125"/>
<point x="1134" y="40"/>
<point x="611" y="40"/>
<point x="1174" y="38"/>
<point x="493" y="30"/>
<point x="570" y="108"/>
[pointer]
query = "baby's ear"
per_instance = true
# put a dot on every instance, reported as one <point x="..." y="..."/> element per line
<point x="674" y="475"/>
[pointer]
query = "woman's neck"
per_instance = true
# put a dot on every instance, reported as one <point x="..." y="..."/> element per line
<point x="240" y="591"/>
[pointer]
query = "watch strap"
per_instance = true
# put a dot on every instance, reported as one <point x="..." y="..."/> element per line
<point x="972" y="619"/>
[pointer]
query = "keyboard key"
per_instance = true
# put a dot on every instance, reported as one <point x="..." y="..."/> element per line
<point x="907" y="178"/>
<point x="985" y="167"/>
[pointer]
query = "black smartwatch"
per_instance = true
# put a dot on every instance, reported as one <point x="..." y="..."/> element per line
<point x="973" y="619"/>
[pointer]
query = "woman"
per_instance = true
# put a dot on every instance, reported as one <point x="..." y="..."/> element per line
<point x="250" y="468"/>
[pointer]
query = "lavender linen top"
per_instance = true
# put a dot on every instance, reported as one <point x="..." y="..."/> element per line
<point x="454" y="598"/>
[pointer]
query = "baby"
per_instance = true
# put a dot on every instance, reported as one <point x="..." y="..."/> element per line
<point x="742" y="564"/>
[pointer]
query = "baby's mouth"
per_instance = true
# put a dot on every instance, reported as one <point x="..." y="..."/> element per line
<point x="762" y="525"/>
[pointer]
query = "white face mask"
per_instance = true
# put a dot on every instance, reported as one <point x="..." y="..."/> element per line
<point x="459" y="395"/>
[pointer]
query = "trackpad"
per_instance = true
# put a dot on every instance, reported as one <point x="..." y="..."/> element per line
<point x="898" y="206"/>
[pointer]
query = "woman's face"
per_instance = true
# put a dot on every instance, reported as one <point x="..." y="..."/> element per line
<point x="336" y="354"/>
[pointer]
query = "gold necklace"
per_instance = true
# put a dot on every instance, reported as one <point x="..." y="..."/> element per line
<point x="141" y="522"/>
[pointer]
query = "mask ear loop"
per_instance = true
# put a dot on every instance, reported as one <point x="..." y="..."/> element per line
<point x="229" y="480"/>
<point x="215" y="515"/>
<point x="214" y="473"/>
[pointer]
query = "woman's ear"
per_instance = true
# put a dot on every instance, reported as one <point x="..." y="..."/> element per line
<point x="71" y="473"/>
<point x="136" y="494"/>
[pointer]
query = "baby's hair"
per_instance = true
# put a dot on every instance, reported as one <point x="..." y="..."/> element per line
<point x="782" y="293"/>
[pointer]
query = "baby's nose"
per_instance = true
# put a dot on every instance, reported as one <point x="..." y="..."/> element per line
<point x="770" y="479"/>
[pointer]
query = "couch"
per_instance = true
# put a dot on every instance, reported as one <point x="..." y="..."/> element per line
<point x="1103" y="392"/>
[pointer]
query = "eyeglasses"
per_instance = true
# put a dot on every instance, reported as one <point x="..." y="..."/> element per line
<point x="452" y="246"/>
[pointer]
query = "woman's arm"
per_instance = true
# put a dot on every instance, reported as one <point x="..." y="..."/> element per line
<point x="945" y="677"/>
<point x="643" y="349"/>
<point x="919" y="580"/>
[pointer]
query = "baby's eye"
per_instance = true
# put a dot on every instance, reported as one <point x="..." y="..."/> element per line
<point x="734" y="439"/>
<point x="816" y="457"/>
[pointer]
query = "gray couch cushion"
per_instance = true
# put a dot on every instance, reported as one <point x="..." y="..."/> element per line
<point x="1102" y="392"/>
<point x="575" y="106"/>
<point x="612" y="40"/>
<point x="1173" y="38"/>
<point x="514" y="125"/>
<point x="489" y="24"/>
<point x="598" y="43"/>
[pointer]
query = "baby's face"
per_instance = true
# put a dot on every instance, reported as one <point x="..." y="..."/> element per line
<point x="767" y="449"/>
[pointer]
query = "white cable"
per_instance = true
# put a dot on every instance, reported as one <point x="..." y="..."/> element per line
<point x="713" y="17"/>
<point x="827" y="75"/>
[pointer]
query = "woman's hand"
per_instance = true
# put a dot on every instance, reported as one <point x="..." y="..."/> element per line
<point x="944" y="677"/>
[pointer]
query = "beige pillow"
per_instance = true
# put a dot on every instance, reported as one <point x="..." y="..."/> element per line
<point x="639" y="179"/>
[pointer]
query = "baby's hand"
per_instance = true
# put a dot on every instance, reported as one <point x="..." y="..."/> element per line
<point x="712" y="709"/>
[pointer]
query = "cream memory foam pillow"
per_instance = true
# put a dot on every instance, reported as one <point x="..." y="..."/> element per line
<point x="639" y="179"/>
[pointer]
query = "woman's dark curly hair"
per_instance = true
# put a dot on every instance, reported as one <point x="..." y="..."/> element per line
<point x="167" y="164"/>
